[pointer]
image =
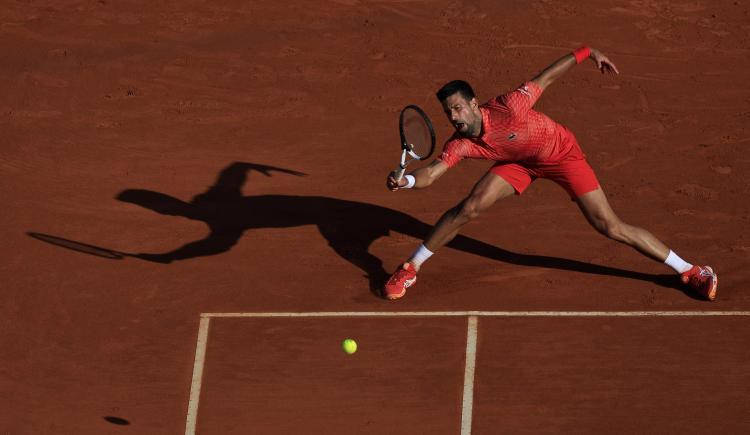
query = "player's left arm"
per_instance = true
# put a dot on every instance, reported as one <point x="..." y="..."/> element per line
<point x="562" y="65"/>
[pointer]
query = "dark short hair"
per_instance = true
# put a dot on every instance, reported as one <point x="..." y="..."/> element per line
<point x="454" y="86"/>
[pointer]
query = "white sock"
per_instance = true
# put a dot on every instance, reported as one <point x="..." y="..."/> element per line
<point x="678" y="264"/>
<point x="420" y="256"/>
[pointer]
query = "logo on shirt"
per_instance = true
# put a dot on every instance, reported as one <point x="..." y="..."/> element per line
<point x="511" y="136"/>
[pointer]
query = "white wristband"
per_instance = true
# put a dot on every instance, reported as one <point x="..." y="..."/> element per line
<point x="410" y="181"/>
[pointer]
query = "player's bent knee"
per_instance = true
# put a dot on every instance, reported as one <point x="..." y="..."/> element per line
<point x="468" y="213"/>
<point x="470" y="209"/>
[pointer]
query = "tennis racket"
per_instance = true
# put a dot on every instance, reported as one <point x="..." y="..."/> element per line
<point x="417" y="137"/>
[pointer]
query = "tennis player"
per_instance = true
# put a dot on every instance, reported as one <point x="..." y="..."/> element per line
<point x="524" y="145"/>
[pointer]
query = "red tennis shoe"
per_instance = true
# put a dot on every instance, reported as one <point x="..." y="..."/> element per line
<point x="703" y="280"/>
<point x="404" y="277"/>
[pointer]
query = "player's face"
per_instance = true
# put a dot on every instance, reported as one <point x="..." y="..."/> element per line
<point x="463" y="114"/>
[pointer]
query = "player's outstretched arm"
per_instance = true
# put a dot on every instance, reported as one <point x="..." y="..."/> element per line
<point x="423" y="177"/>
<point x="562" y="65"/>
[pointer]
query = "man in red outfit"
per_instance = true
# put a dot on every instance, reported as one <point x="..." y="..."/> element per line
<point x="525" y="145"/>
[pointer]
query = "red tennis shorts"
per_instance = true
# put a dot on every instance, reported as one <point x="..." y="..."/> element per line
<point x="575" y="175"/>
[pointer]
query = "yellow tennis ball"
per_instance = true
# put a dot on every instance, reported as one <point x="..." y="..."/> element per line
<point x="349" y="345"/>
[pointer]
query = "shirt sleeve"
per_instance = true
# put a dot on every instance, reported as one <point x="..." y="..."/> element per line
<point x="453" y="152"/>
<point x="522" y="99"/>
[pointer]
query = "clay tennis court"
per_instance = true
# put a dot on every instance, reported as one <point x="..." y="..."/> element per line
<point x="174" y="172"/>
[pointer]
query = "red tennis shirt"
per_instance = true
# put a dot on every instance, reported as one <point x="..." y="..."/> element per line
<point x="513" y="132"/>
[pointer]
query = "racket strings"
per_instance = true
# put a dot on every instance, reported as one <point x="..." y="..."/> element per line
<point x="417" y="132"/>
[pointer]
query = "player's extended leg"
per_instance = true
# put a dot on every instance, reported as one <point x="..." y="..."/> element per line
<point x="600" y="215"/>
<point x="486" y="192"/>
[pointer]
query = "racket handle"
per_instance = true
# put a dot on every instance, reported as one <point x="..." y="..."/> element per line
<point x="400" y="173"/>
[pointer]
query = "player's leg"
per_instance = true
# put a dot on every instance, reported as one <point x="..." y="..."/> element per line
<point x="577" y="177"/>
<point x="485" y="193"/>
<point x="494" y="185"/>
<point x="599" y="213"/>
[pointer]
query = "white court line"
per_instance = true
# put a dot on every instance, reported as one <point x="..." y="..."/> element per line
<point x="195" y="387"/>
<point x="471" y="358"/>
<point x="487" y="314"/>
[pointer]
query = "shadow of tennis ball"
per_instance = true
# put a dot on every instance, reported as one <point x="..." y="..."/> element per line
<point x="117" y="420"/>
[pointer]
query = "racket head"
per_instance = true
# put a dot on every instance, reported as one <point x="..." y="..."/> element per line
<point x="417" y="133"/>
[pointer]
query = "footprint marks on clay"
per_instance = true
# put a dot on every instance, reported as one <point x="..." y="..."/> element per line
<point x="696" y="191"/>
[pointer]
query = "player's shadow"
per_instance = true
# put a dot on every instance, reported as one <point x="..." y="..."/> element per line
<point x="349" y="227"/>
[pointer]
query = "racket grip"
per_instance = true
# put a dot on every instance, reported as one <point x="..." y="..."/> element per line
<point x="400" y="173"/>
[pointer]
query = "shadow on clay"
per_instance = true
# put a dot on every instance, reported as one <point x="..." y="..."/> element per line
<point x="350" y="227"/>
<point x="116" y="420"/>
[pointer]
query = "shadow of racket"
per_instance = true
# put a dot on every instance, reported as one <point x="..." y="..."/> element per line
<point x="79" y="247"/>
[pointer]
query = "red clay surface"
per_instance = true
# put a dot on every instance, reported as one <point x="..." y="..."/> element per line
<point x="143" y="127"/>
<point x="616" y="375"/>
<point x="291" y="376"/>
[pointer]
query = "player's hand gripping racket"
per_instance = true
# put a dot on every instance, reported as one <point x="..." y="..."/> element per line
<point x="417" y="138"/>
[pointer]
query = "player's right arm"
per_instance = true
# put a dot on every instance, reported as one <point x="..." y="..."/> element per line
<point x="423" y="177"/>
